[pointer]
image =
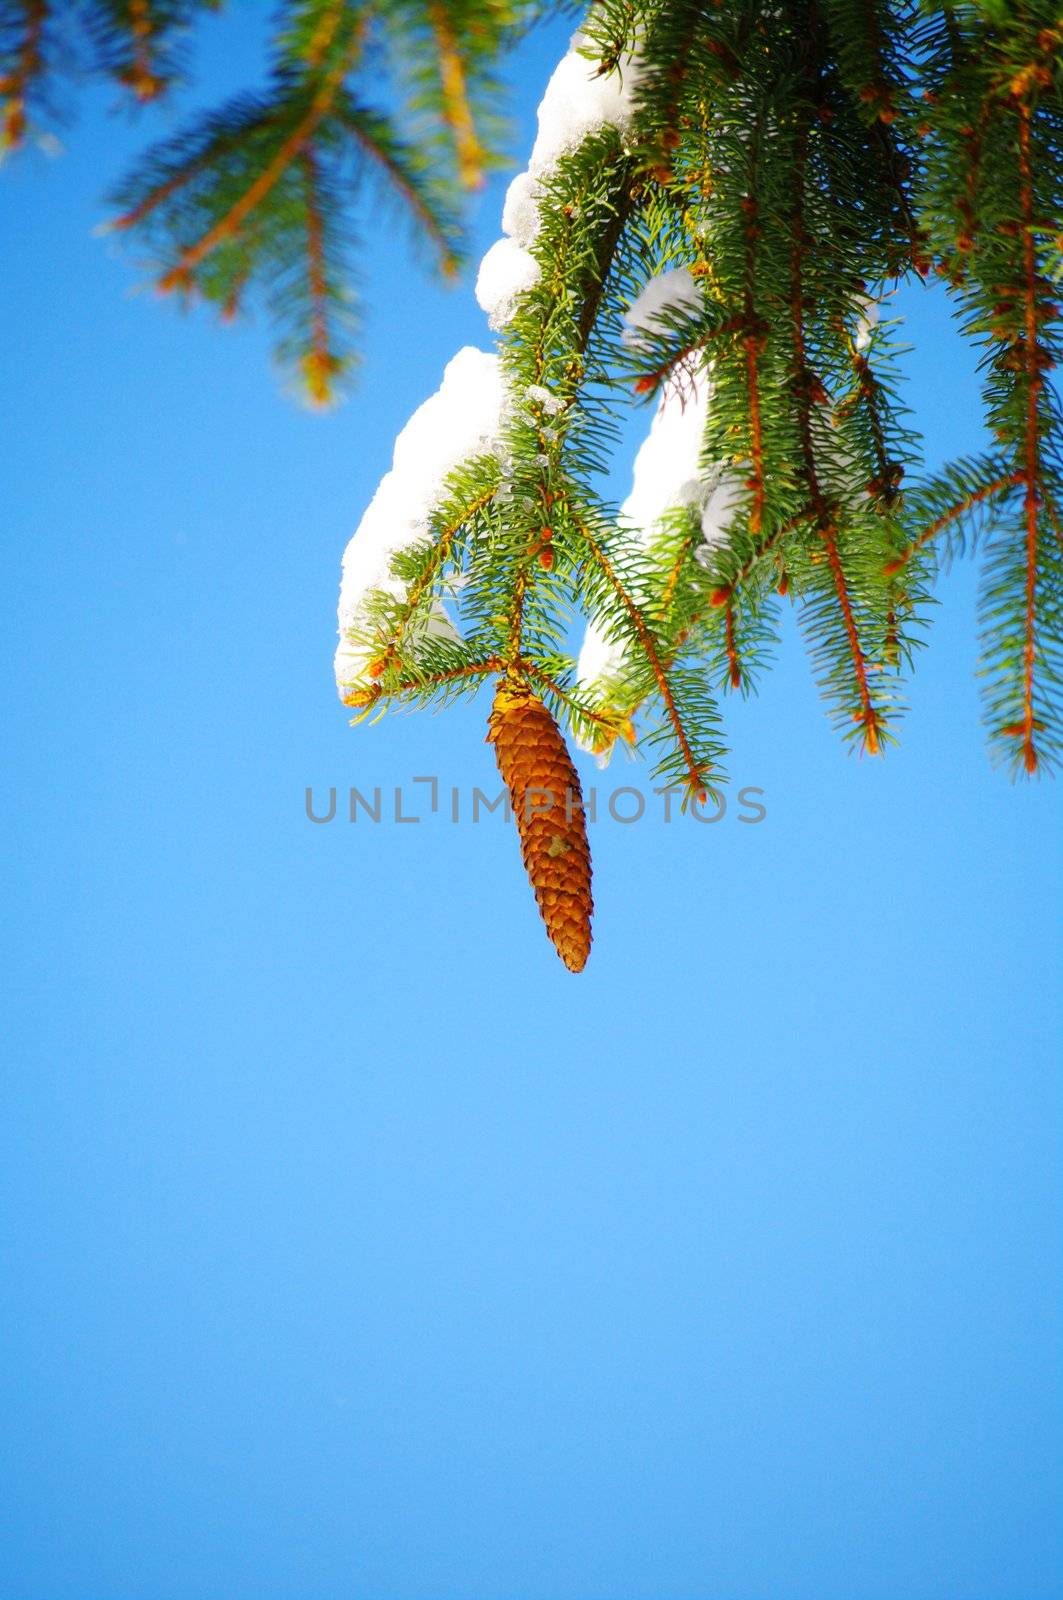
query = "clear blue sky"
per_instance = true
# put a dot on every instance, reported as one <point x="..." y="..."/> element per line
<point x="353" y="1250"/>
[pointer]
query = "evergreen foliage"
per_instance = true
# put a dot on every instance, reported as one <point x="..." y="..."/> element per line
<point x="796" y="162"/>
<point x="261" y="196"/>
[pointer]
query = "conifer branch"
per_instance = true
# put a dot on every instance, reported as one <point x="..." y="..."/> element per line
<point x="179" y="275"/>
<point x="975" y="497"/>
<point x="231" y="304"/>
<point x="668" y="138"/>
<point x="686" y="550"/>
<point x="650" y="382"/>
<point x="806" y="384"/>
<point x="897" y="168"/>
<point x="441" y="552"/>
<point x="25" y="69"/>
<point x="539" y="551"/>
<point x="612" y="233"/>
<point x="323" y="33"/>
<point x="372" y="133"/>
<point x="754" y="344"/>
<point x="973" y="138"/>
<point x="163" y="191"/>
<point x="1052" y="513"/>
<point x="884" y="483"/>
<point x="612" y="725"/>
<point x="319" y="364"/>
<point x="1032" y="437"/>
<point x="876" y="91"/>
<point x="756" y="183"/>
<point x="457" y="112"/>
<point x="733" y="661"/>
<point x="722" y="594"/>
<point x="143" y="80"/>
<point x="696" y="776"/>
<point x="364" y="698"/>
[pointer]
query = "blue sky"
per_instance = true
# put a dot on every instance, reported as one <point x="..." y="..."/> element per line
<point x="352" y="1247"/>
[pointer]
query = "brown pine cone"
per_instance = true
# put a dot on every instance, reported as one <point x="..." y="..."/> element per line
<point x="535" y="764"/>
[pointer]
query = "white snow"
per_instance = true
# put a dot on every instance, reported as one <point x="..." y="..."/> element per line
<point x="506" y="272"/>
<point x="666" y="469"/>
<point x="866" y="325"/>
<point x="469" y="411"/>
<point x="539" y="395"/>
<point x="461" y="420"/>
<point x="577" y="103"/>
<point x="668" y="295"/>
<point x="719" y="498"/>
<point x="599" y="660"/>
<point x="520" y="213"/>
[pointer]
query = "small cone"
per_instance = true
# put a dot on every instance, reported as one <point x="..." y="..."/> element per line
<point x="535" y="764"/>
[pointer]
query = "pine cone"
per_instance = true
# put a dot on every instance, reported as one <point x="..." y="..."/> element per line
<point x="535" y="764"/>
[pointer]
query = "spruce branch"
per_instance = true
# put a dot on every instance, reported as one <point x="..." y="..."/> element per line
<point x="232" y="203"/>
<point x="754" y="338"/>
<point x="425" y="581"/>
<point x="866" y="710"/>
<point x="718" y="207"/>
<point x="697" y="767"/>
<point x="591" y="725"/>
<point x="730" y="579"/>
<point x="969" y="501"/>
<point x="420" y="687"/>
<point x="292" y="146"/>
<point x="456" y="110"/>
<point x="138" y="43"/>
<point x="403" y="174"/>
<point x="320" y="364"/>
<point x="257" y="195"/>
<point x="775" y="184"/>
<point x="22" y="66"/>
<point x="1032" y="442"/>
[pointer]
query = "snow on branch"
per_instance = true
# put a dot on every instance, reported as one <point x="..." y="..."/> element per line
<point x="462" y="420"/>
